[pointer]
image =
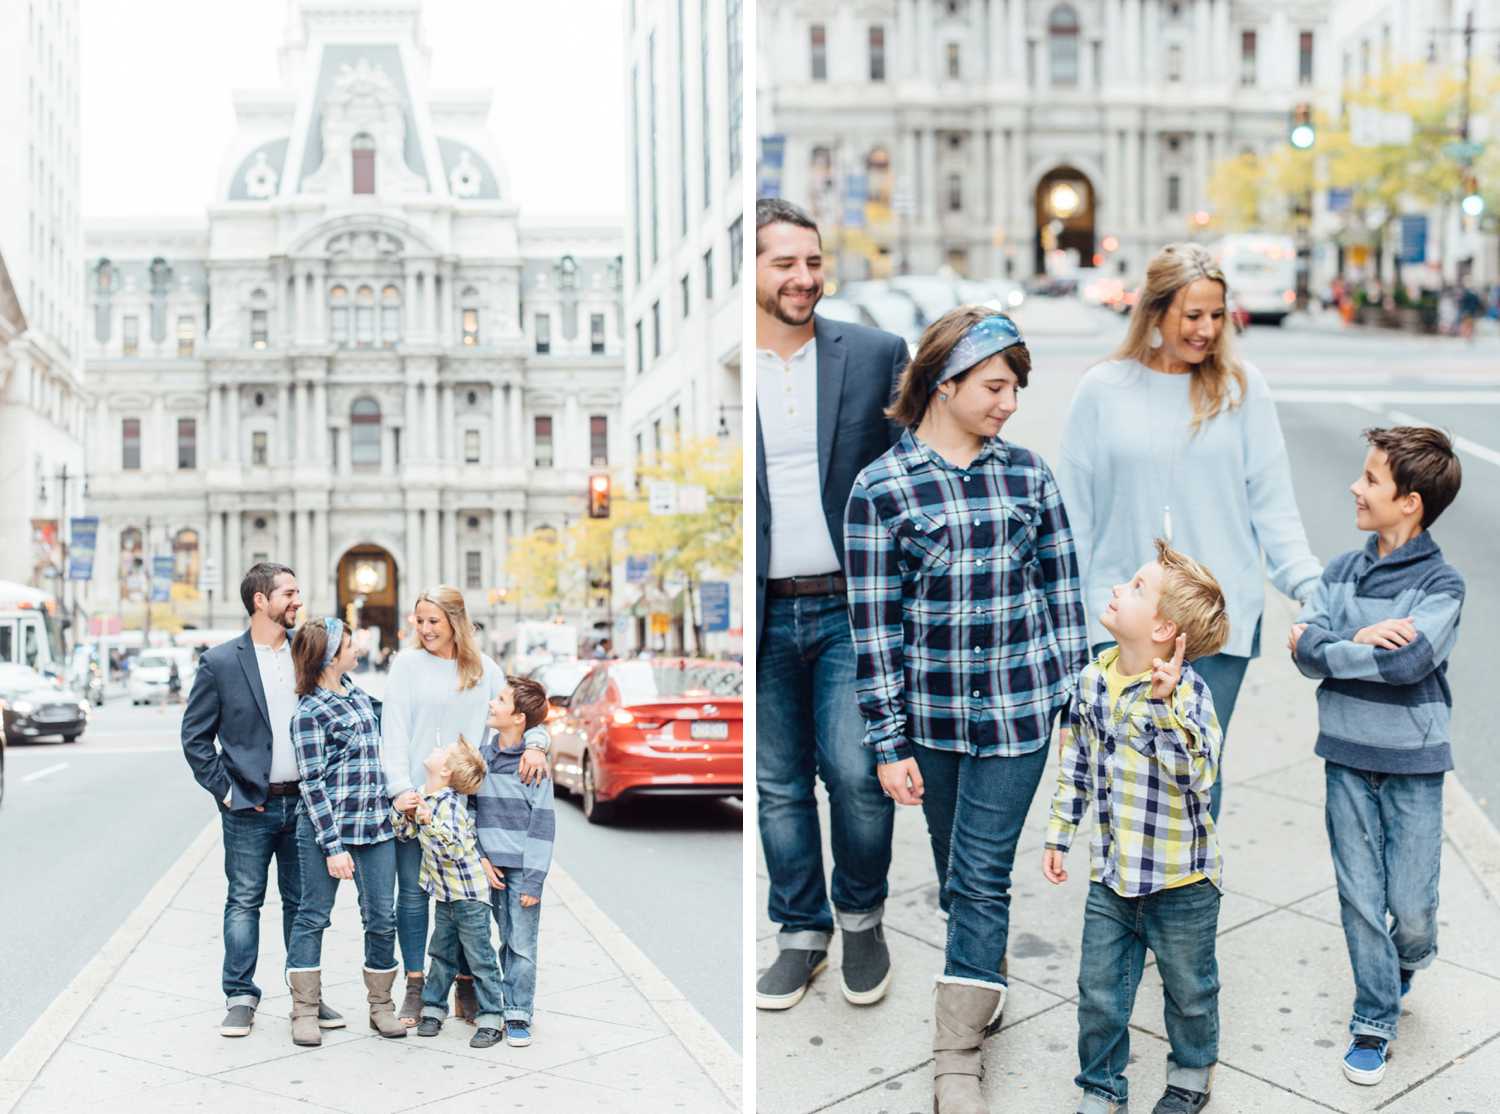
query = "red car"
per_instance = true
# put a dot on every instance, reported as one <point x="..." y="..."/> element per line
<point x="664" y="727"/>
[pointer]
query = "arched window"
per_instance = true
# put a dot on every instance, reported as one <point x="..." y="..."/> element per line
<point x="185" y="558"/>
<point x="362" y="155"/>
<point x="390" y="316"/>
<point x="338" y="315"/>
<point x="364" y="434"/>
<point x="470" y="310"/>
<point x="1062" y="44"/>
<point x="364" y="317"/>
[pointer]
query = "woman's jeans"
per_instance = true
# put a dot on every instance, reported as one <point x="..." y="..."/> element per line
<point x="1179" y="926"/>
<point x="461" y="931"/>
<point x="1386" y="833"/>
<point x="412" y="903"/>
<point x="519" y="925"/>
<point x="374" y="878"/>
<point x="977" y="806"/>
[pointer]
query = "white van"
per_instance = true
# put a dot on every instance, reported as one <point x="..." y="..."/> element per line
<point x="30" y="633"/>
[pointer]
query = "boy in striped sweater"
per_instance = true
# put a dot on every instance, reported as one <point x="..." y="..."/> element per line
<point x="1377" y="632"/>
<point x="516" y="824"/>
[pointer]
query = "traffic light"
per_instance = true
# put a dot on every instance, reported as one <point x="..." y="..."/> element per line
<point x="1303" y="135"/>
<point x="1473" y="201"/>
<point x="599" y="495"/>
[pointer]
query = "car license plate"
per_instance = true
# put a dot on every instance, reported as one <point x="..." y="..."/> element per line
<point x="710" y="729"/>
<point x="55" y="715"/>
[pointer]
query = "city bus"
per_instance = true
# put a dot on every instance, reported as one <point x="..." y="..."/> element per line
<point x="1262" y="274"/>
<point x="30" y="631"/>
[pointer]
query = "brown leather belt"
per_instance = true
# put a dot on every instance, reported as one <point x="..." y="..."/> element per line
<point x="285" y="788"/>
<point x="829" y="584"/>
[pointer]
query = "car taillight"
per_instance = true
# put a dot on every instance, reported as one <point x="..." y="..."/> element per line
<point x="626" y="718"/>
<point x="554" y="712"/>
<point x="623" y="718"/>
<point x="1288" y="296"/>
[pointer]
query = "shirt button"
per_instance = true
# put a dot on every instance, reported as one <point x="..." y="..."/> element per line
<point x="977" y="521"/>
<point x="967" y="477"/>
<point x="976" y="694"/>
<point x="978" y="649"/>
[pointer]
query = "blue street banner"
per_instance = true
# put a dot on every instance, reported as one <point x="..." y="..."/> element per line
<point x="1340" y="201"/>
<point x="637" y="569"/>
<point x="161" y="579"/>
<point x="856" y="194"/>
<point x="1414" y="238"/>
<point x="772" y="162"/>
<point x="84" y="532"/>
<point x="714" y="595"/>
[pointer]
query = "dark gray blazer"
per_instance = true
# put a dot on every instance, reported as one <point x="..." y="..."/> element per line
<point x="857" y="370"/>
<point x="228" y="702"/>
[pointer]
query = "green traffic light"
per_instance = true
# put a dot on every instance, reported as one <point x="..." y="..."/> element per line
<point x="1303" y="136"/>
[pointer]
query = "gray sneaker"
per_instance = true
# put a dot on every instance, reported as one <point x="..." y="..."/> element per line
<point x="1179" y="1100"/>
<point x="781" y="985"/>
<point x="328" y="1017"/>
<point x="237" y="1021"/>
<point x="866" y="973"/>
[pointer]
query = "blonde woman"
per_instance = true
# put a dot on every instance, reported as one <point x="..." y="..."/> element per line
<point x="437" y="691"/>
<point x="1174" y="436"/>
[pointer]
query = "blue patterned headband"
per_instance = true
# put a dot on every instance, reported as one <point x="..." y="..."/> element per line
<point x="335" y="629"/>
<point x="985" y="337"/>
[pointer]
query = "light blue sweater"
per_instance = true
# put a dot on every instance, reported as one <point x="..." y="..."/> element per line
<point x="1127" y="451"/>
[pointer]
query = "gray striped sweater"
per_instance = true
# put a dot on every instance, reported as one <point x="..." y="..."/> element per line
<point x="1381" y="710"/>
<point x="514" y="820"/>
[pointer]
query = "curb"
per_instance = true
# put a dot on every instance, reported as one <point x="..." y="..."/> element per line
<point x="30" y="1054"/>
<point x="1474" y="837"/>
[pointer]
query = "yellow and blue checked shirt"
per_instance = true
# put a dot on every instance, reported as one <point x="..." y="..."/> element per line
<point x="1147" y="765"/>
<point x="450" y="849"/>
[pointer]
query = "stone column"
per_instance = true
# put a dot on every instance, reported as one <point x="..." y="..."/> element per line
<point x="1151" y="168"/>
<point x="1016" y="40"/>
<point x="413" y="545"/>
<point x="234" y="557"/>
<point x="284" y="549"/>
<point x="325" y="571"/>
<point x="1106" y="204"/>
<point x="213" y="442"/>
<point x="410" y="310"/>
<point x="320" y="302"/>
<point x="1019" y="206"/>
<point x="411" y="422"/>
<point x="320" y="422"/>
<point x="285" y="451"/>
<point x="305" y="569"/>
<point x="499" y="549"/>
<point x="449" y="439"/>
<point x="388" y="450"/>
<point x="232" y="432"/>
<point x="452" y="559"/>
<point x="499" y="450"/>
<point x="566" y="440"/>
<point x="1199" y="191"/>
<point x="307" y="446"/>
<point x="445" y="309"/>
<point x="216" y="551"/>
<point x="429" y="309"/>
<point x="517" y="430"/>
<point x="433" y="432"/>
<point x="430" y="559"/>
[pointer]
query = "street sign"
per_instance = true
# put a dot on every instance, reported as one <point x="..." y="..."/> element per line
<point x="856" y="193"/>
<point x="209" y="574"/>
<point x="1340" y="200"/>
<point x="1414" y="238"/>
<point x="772" y="159"/>
<point x="638" y="568"/>
<point x="662" y="496"/>
<point x="1463" y="151"/>
<point x="85" y="534"/>
<point x="692" y="499"/>
<point x="161" y="579"/>
<point x="714" y="595"/>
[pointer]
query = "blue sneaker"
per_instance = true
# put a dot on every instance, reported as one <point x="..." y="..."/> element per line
<point x="1406" y="981"/>
<point x="517" y="1034"/>
<point x="1364" y="1063"/>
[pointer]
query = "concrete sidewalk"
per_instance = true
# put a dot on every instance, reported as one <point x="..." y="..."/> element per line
<point x="1287" y="990"/>
<point x="138" y="1029"/>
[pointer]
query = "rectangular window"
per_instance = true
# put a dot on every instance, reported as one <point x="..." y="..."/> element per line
<point x="683" y="285"/>
<point x="640" y="347"/>
<point x="598" y="440"/>
<point x="259" y="332"/>
<point x="364" y="320"/>
<point x="955" y="193"/>
<point x="187" y="330"/>
<point x="1305" y="58"/>
<point x="596" y="333"/>
<point x="735" y="68"/>
<point x="655" y="330"/>
<point x="471" y="446"/>
<point x="473" y="569"/>
<point x="1247" y="58"/>
<point x="543" y="334"/>
<point x="1174" y="193"/>
<point x="260" y="452"/>
<point x="130" y="444"/>
<point x="187" y="444"/>
<point x="471" y="327"/>
<point x="708" y="275"/>
<point x="877" y="53"/>
<point x="736" y="249"/>
<point x="953" y="60"/>
<point x="542" y="431"/>
<point x="651" y="150"/>
<point x="818" y="41"/>
<point x="131" y="328"/>
<point x="708" y="172"/>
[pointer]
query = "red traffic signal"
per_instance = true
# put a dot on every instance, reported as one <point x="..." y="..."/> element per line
<point x="599" y="495"/>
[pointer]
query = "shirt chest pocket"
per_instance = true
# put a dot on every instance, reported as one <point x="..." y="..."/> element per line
<point x="924" y="543"/>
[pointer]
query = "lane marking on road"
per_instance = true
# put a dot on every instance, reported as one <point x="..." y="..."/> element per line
<point x="1373" y="402"/>
<point x="37" y="775"/>
<point x="83" y="751"/>
<point x="1462" y="444"/>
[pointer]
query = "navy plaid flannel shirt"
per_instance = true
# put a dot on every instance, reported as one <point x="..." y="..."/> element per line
<point x="965" y="601"/>
<point x="337" y="740"/>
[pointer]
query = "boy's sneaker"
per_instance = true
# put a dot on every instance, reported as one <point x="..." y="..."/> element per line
<point x="781" y="985"/>
<point x="866" y="974"/>
<point x="1406" y="981"/>
<point x="1179" y="1100"/>
<point x="1364" y="1063"/>
<point x="487" y="1038"/>
<point x="517" y="1034"/>
<point x="429" y="1027"/>
<point x="237" y="1021"/>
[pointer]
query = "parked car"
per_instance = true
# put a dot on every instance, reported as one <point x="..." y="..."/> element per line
<point x="559" y="678"/>
<point x="665" y="727"/>
<point x="2" y="752"/>
<point x="151" y="675"/>
<point x="36" y="708"/>
<point x="1002" y="293"/>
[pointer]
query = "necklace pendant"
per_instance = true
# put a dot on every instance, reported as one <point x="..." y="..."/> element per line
<point x="1166" y="524"/>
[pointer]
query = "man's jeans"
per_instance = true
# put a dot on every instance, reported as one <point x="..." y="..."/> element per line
<point x="462" y="929"/>
<point x="250" y="840"/>
<point x="374" y="878"/>
<point x="519" y="926"/>
<point x="1386" y="833"/>
<point x="1179" y="926"/>
<point x="810" y="726"/>
<point x="977" y="806"/>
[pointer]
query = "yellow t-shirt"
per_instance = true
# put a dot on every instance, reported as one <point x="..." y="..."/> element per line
<point x="1116" y="682"/>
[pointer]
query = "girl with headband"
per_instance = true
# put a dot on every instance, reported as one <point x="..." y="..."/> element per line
<point x="343" y="828"/>
<point x="969" y="633"/>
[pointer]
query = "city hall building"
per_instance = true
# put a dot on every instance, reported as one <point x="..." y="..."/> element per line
<point x="364" y="363"/>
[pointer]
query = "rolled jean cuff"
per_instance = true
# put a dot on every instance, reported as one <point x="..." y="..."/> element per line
<point x="808" y="940"/>
<point x="859" y="922"/>
<point x="438" y="1012"/>
<point x="1097" y="1102"/>
<point x="489" y="1020"/>
<point x="1419" y="964"/>
<point x="1363" y="1027"/>
<point x="1200" y="1080"/>
<point x="518" y="1015"/>
<point x="242" y="1000"/>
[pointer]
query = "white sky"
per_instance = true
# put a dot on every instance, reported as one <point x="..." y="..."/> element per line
<point x="157" y="76"/>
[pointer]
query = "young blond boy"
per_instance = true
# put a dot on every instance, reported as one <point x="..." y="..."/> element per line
<point x="1144" y="751"/>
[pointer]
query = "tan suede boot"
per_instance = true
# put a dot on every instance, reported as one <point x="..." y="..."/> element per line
<point x="307" y="989"/>
<point x="383" y="1017"/>
<point x="961" y="1011"/>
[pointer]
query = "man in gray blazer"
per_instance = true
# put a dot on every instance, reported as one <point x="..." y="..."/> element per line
<point x="821" y="390"/>
<point x="245" y="695"/>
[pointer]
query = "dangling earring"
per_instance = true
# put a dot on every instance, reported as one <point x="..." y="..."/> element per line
<point x="1155" y="337"/>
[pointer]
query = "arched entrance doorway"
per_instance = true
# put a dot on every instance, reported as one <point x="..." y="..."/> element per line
<point x="1064" y="216"/>
<point x="367" y="580"/>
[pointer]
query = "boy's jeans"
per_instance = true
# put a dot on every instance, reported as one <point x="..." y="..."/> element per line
<point x="374" y="878"/>
<point x="461" y="929"/>
<point x="518" y="932"/>
<point x="1179" y="926"/>
<point x="412" y="910"/>
<point x="1386" y="834"/>
<point x="977" y="807"/>
<point x="810" y="726"/>
<point x="250" y="840"/>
